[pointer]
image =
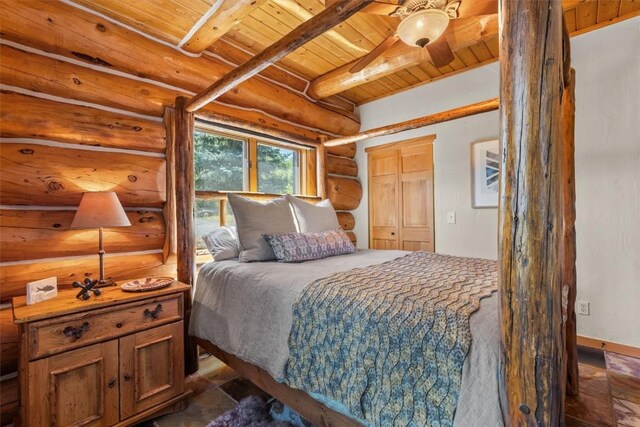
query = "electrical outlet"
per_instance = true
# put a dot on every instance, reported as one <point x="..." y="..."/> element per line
<point x="451" y="217"/>
<point x="582" y="307"/>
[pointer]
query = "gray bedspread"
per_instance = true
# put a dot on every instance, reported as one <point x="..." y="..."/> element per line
<point x="246" y="309"/>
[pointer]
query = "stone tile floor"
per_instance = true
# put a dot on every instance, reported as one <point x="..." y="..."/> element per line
<point x="609" y="393"/>
<point x="624" y="381"/>
<point x="216" y="389"/>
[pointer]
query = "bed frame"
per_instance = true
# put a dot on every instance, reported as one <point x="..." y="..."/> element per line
<point x="312" y="410"/>
<point x="536" y="233"/>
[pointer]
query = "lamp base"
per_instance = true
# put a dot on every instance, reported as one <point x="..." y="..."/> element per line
<point x="105" y="282"/>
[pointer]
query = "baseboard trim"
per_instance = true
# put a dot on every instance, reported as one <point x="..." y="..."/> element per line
<point x="612" y="347"/>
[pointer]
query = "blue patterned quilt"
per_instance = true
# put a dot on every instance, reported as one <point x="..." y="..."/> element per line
<point x="389" y="341"/>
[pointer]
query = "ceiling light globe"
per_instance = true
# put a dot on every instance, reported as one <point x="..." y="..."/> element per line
<point x="423" y="27"/>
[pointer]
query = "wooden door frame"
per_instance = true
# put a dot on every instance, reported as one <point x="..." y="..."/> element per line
<point x="398" y="146"/>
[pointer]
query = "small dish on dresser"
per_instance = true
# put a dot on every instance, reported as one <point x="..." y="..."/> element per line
<point x="147" y="284"/>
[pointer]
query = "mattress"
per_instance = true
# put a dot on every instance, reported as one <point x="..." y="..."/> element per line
<point x="246" y="310"/>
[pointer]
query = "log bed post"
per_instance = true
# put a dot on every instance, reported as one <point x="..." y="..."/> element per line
<point x="321" y="168"/>
<point x="530" y="225"/>
<point x="185" y="203"/>
<point x="569" y="283"/>
<point x="185" y="191"/>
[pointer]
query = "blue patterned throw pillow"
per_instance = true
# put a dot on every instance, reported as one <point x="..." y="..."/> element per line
<point x="298" y="247"/>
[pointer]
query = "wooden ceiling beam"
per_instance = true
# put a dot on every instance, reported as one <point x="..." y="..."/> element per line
<point x="328" y="18"/>
<point x="396" y="58"/>
<point x="399" y="57"/>
<point x="445" y="116"/>
<point x="234" y="122"/>
<point x="227" y="14"/>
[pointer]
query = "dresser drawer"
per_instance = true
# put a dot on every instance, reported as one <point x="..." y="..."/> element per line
<point x="64" y="333"/>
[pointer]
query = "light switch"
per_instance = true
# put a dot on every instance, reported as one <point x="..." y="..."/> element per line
<point x="451" y="217"/>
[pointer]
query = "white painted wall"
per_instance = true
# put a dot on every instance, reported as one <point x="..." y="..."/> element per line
<point x="607" y="63"/>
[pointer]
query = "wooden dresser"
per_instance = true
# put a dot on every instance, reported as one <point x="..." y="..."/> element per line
<point x="116" y="359"/>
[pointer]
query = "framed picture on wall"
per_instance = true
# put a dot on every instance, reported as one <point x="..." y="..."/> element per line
<point x="485" y="176"/>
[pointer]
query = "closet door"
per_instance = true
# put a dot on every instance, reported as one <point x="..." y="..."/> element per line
<point x="416" y="197"/>
<point x="401" y="195"/>
<point x="384" y="200"/>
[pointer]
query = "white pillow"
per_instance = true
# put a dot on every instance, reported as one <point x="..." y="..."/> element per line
<point x="222" y="243"/>
<point x="253" y="219"/>
<point x="314" y="217"/>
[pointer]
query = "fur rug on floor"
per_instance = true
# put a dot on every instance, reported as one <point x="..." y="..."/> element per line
<point x="253" y="411"/>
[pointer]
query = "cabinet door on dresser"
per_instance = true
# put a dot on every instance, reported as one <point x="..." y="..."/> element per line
<point x="76" y="388"/>
<point x="151" y="368"/>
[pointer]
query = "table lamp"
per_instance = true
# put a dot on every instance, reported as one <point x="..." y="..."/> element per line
<point x="98" y="210"/>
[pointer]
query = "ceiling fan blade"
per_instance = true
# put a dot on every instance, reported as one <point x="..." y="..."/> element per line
<point x="462" y="31"/>
<point x="459" y="31"/>
<point x="377" y="51"/>
<point x="477" y="7"/>
<point x="381" y="8"/>
<point x="440" y="52"/>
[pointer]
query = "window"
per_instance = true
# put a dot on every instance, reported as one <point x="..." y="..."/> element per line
<point x="233" y="162"/>
<point x="278" y="170"/>
<point x="218" y="162"/>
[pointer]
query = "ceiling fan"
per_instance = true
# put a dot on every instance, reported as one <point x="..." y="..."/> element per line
<point x="424" y="24"/>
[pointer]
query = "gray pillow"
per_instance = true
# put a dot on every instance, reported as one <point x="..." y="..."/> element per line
<point x="253" y="219"/>
<point x="222" y="243"/>
<point x="313" y="218"/>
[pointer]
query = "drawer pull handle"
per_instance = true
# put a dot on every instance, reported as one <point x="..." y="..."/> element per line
<point x="112" y="383"/>
<point x="153" y="313"/>
<point x="119" y="325"/>
<point x="70" y="331"/>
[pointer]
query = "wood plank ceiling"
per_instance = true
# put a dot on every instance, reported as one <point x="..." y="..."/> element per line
<point x="169" y="20"/>
<point x="175" y="21"/>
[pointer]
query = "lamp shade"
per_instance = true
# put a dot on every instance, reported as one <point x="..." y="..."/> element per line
<point x="100" y="209"/>
<point x="423" y="27"/>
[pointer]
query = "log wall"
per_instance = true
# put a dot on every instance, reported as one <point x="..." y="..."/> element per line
<point x="75" y="35"/>
<point x="343" y="188"/>
<point x="67" y="128"/>
<point x="52" y="149"/>
<point x="83" y="107"/>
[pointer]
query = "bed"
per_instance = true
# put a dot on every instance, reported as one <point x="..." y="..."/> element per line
<point x="246" y="310"/>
